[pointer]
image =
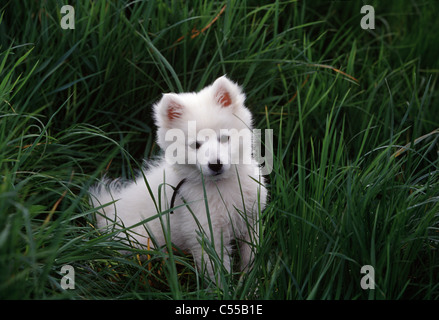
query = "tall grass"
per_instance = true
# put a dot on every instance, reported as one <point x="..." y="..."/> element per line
<point x="355" y="177"/>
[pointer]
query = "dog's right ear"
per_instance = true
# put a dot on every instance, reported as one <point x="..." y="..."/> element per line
<point x="227" y="94"/>
<point x="168" y="109"/>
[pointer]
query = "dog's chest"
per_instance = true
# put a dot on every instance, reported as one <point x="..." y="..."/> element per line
<point x="225" y="202"/>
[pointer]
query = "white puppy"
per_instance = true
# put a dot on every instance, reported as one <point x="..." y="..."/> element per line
<point x="206" y="188"/>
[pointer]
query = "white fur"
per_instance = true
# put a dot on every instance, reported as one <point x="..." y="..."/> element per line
<point x="235" y="195"/>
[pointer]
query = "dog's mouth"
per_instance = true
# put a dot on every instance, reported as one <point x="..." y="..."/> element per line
<point x="213" y="171"/>
<point x="216" y="176"/>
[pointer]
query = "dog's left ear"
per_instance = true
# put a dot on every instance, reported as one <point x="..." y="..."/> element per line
<point x="169" y="109"/>
<point x="227" y="93"/>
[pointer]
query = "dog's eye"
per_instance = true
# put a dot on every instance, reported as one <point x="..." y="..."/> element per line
<point x="223" y="138"/>
<point x="195" y="145"/>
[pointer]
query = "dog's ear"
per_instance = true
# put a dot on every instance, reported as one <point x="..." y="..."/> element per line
<point x="168" y="109"/>
<point x="226" y="93"/>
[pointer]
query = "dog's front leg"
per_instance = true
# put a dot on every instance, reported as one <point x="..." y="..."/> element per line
<point x="247" y="248"/>
<point x="213" y="262"/>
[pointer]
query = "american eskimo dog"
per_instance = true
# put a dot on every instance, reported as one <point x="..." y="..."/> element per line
<point x="205" y="187"/>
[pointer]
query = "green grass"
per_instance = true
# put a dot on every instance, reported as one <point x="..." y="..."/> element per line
<point x="342" y="102"/>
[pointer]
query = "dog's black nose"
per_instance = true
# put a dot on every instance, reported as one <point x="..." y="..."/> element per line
<point x="215" y="167"/>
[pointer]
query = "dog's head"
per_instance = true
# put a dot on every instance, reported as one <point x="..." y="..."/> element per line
<point x="207" y="131"/>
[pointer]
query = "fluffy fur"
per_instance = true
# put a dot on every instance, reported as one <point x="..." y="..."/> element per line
<point x="234" y="190"/>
